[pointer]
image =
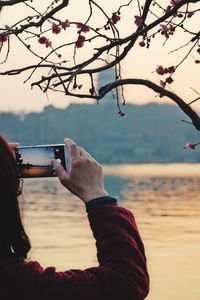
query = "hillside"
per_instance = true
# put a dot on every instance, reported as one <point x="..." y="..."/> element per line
<point x="148" y="133"/>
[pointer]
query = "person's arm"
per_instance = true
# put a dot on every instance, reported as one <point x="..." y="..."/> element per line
<point x="122" y="271"/>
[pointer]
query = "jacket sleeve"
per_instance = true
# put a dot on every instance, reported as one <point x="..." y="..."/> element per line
<point x="122" y="271"/>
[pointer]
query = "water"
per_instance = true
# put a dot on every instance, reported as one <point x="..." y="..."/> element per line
<point x="165" y="200"/>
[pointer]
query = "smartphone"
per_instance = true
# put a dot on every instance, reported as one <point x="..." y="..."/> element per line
<point x="35" y="161"/>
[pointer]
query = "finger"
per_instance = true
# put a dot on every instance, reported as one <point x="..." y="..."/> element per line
<point x="13" y="147"/>
<point x="60" y="171"/>
<point x="83" y="152"/>
<point x="72" y="147"/>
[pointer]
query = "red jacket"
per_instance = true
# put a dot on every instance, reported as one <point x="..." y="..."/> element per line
<point x="121" y="274"/>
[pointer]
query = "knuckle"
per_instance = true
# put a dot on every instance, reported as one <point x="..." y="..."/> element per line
<point x="81" y="149"/>
<point x="99" y="167"/>
<point x="98" y="164"/>
<point x="62" y="177"/>
<point x="73" y="146"/>
<point x="75" y="162"/>
<point x="62" y="180"/>
<point x="87" y="161"/>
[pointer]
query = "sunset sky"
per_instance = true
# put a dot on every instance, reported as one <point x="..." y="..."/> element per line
<point x="37" y="156"/>
<point x="140" y="63"/>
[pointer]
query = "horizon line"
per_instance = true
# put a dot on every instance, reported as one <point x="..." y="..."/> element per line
<point x="26" y="112"/>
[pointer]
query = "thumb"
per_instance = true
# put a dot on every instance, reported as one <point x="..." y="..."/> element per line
<point x="60" y="171"/>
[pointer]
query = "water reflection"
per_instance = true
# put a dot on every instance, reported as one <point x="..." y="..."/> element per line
<point x="166" y="206"/>
<point x="35" y="171"/>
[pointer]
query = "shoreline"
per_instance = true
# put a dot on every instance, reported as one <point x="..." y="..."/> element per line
<point x="153" y="169"/>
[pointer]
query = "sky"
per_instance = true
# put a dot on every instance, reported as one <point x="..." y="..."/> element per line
<point x="37" y="156"/>
<point x="140" y="63"/>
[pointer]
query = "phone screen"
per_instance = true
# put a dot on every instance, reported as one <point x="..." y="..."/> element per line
<point x="35" y="161"/>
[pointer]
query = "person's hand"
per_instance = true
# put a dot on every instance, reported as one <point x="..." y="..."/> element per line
<point x="84" y="178"/>
<point x="13" y="147"/>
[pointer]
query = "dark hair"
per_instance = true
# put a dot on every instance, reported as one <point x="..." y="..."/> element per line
<point x="13" y="238"/>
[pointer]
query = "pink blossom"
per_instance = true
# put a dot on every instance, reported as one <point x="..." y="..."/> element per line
<point x="190" y="14"/>
<point x="42" y="39"/>
<point x="174" y="2"/>
<point x="138" y="20"/>
<point x="80" y="41"/>
<point x="164" y="27"/>
<point x="115" y="18"/>
<point x="56" y="28"/>
<point x="162" y="83"/>
<point x="171" y="69"/>
<point x="168" y="7"/>
<point x="142" y="44"/>
<point x="164" y="30"/>
<point x="169" y="80"/>
<point x="65" y="24"/>
<point x="161" y="70"/>
<point x="45" y="41"/>
<point x="4" y="38"/>
<point x="167" y="29"/>
<point x="83" y="28"/>
<point x="190" y="145"/>
<point x="170" y="28"/>
<point x="48" y="43"/>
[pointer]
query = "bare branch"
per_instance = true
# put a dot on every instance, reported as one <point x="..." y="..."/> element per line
<point x="193" y="101"/>
<point x="11" y="2"/>
<point x="39" y="23"/>
<point x="158" y="89"/>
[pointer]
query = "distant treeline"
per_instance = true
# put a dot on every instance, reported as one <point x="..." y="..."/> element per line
<point x="148" y="133"/>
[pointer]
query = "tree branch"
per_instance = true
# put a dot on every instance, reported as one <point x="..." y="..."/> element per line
<point x="131" y="39"/>
<point x="11" y="2"/>
<point x="39" y="23"/>
<point x="158" y="89"/>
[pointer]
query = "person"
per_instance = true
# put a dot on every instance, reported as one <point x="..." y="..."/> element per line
<point x="122" y="271"/>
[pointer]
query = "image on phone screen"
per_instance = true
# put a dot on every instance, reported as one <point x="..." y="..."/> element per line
<point x="35" y="161"/>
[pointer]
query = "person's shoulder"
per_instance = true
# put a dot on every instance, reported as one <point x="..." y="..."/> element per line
<point x="33" y="279"/>
<point x="31" y="267"/>
<point x="31" y="264"/>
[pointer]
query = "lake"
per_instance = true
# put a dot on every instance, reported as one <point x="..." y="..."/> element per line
<point x="165" y="200"/>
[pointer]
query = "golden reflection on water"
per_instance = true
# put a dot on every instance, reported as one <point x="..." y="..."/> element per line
<point x="36" y="171"/>
<point x="165" y="200"/>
